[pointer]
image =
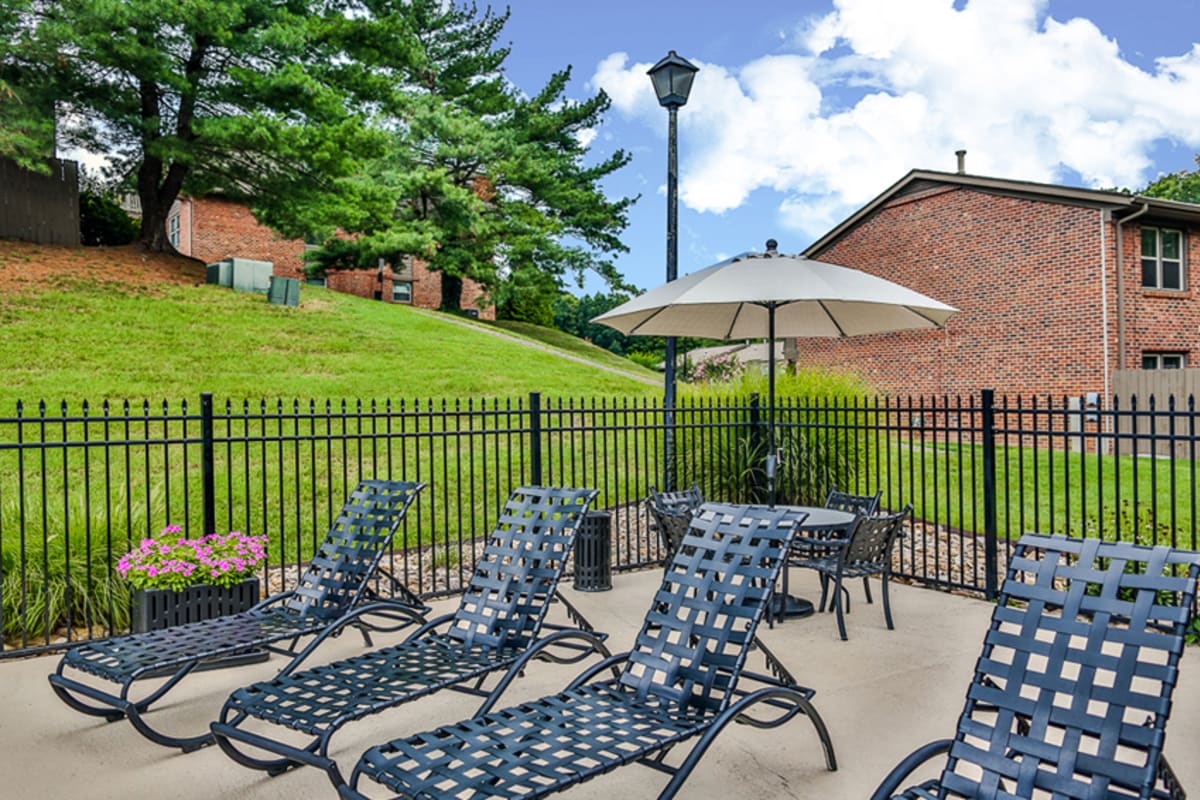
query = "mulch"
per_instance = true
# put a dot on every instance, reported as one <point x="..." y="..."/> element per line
<point x="25" y="266"/>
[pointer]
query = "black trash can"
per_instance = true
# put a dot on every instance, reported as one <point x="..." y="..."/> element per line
<point x="593" y="563"/>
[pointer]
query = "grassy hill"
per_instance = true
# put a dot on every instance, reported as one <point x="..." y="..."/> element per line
<point x="96" y="323"/>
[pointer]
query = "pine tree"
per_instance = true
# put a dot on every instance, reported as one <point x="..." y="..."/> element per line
<point x="260" y="99"/>
<point x="485" y="184"/>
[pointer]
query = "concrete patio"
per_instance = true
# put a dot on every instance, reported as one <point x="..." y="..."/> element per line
<point x="882" y="694"/>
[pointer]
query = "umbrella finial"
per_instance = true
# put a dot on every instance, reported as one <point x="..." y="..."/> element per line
<point x="772" y="247"/>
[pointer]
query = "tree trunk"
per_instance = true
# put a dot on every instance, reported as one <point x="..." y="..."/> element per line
<point x="154" y="224"/>
<point x="451" y="293"/>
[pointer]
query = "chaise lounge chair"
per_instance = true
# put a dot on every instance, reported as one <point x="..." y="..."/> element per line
<point x="330" y="591"/>
<point x="682" y="680"/>
<point x="495" y="629"/>
<point x="1071" y="696"/>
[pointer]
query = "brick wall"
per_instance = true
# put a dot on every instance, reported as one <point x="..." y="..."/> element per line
<point x="1157" y="320"/>
<point x="1026" y="276"/>
<point x="214" y="228"/>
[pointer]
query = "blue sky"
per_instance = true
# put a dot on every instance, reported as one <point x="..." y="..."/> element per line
<point x="805" y="110"/>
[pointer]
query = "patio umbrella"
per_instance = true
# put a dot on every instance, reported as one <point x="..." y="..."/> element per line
<point x="774" y="295"/>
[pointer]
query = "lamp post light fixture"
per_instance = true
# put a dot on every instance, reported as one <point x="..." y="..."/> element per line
<point x="672" y="78"/>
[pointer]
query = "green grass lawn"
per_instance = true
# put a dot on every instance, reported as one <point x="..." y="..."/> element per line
<point x="82" y="340"/>
<point x="1044" y="490"/>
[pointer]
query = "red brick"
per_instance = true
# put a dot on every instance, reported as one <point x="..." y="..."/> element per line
<point x="1026" y="275"/>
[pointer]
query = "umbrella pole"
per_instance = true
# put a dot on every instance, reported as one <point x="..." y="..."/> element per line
<point x="771" y="460"/>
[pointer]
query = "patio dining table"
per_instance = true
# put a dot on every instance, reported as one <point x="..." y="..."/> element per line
<point x="825" y="520"/>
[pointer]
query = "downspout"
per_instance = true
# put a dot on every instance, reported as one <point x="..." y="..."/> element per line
<point x="1121" y="362"/>
<point x="1105" y="216"/>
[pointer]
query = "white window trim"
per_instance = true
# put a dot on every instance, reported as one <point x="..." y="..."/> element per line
<point x="1159" y="356"/>
<point x="1158" y="260"/>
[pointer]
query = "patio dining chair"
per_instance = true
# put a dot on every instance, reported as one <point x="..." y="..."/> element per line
<point x="497" y="628"/>
<point x="328" y="595"/>
<point x="685" y="678"/>
<point x="1071" y="695"/>
<point x="866" y="550"/>
<point x="671" y="513"/>
<point x="810" y="545"/>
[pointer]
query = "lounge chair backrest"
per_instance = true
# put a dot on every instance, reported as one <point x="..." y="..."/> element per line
<point x="872" y="539"/>
<point x="345" y="561"/>
<point x="695" y="639"/>
<point x="1073" y="689"/>
<point x="863" y="504"/>
<point x="517" y="574"/>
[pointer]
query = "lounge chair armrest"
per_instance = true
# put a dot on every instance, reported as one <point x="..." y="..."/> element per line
<point x="272" y="600"/>
<point x="902" y="770"/>
<point x="393" y="610"/>
<point x="595" y="669"/>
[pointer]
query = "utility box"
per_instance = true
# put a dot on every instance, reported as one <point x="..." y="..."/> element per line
<point x="241" y="274"/>
<point x="252" y="276"/>
<point x="284" y="291"/>
<point x="220" y="274"/>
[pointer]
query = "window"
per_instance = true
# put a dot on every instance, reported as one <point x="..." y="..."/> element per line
<point x="401" y="292"/>
<point x="173" y="230"/>
<point x="1164" y="360"/>
<point x="1162" y="259"/>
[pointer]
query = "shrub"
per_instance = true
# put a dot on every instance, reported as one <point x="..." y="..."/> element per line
<point x="647" y="360"/>
<point x="102" y="221"/>
<point x="725" y="367"/>
<point x="818" y="448"/>
<point x="49" y="590"/>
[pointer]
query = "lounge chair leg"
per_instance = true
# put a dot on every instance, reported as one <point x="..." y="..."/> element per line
<point x="824" y="591"/>
<point x="187" y="744"/>
<point x="822" y="733"/>
<point x="837" y="600"/>
<point x="887" y="606"/>
<point x="867" y="588"/>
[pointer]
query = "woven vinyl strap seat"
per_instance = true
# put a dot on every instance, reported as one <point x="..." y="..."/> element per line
<point x="1071" y="694"/>
<point x="497" y="627"/>
<point x="333" y="585"/>
<point x="680" y="681"/>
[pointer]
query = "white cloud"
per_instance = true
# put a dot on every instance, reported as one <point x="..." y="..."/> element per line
<point x="876" y="88"/>
<point x="585" y="137"/>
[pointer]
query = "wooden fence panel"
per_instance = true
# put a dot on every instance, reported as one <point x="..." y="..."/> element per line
<point x="1162" y="432"/>
<point x="40" y="208"/>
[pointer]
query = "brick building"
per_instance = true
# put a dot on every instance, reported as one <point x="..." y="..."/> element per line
<point x="212" y="228"/>
<point x="1057" y="287"/>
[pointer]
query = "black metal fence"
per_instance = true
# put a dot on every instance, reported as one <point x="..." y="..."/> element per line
<point x="78" y="488"/>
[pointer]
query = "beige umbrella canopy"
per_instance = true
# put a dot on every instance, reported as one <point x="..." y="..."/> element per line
<point x="769" y="295"/>
<point x="735" y="300"/>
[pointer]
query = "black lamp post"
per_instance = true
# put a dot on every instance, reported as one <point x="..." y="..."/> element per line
<point x="672" y="78"/>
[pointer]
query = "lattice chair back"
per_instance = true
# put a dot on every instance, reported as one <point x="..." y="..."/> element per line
<point x="693" y="644"/>
<point x="672" y="513"/>
<point x="345" y="561"/>
<point x="863" y="504"/>
<point x="872" y="539"/>
<point x="517" y="574"/>
<point x="1071" y="695"/>
<point x="682" y="500"/>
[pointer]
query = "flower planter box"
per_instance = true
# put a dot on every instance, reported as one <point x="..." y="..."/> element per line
<point x="159" y="609"/>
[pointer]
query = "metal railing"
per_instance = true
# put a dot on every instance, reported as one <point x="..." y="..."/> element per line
<point x="80" y="487"/>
